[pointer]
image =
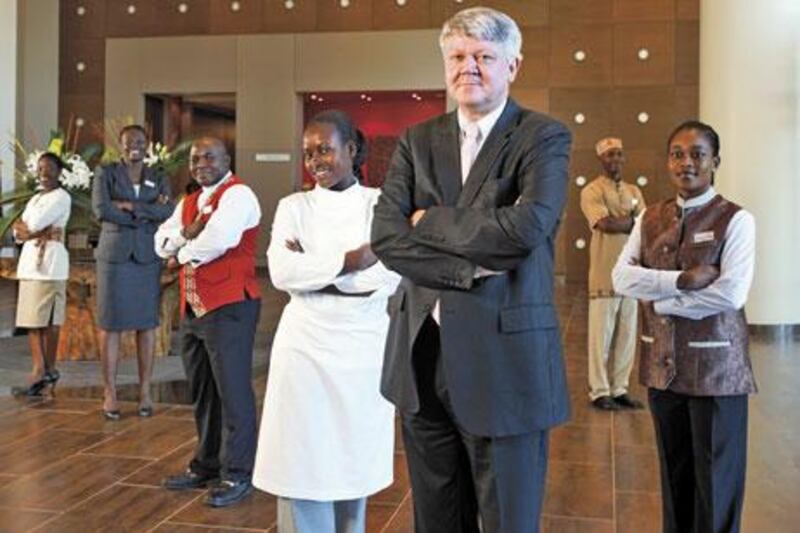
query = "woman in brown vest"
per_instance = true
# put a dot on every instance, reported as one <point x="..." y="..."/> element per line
<point x="689" y="261"/>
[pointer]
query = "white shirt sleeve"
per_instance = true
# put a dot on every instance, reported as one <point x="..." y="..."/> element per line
<point x="297" y="271"/>
<point x="237" y="211"/>
<point x="635" y="281"/>
<point x="729" y="291"/>
<point x="50" y="209"/>
<point x="168" y="239"/>
<point x="373" y="278"/>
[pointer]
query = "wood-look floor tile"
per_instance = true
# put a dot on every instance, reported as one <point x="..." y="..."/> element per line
<point x="633" y="428"/>
<point x="258" y="511"/>
<point x="403" y="519"/>
<point x="44" y="449"/>
<point x="19" y="520"/>
<point x="95" y="421"/>
<point x="399" y="489"/>
<point x="10" y="405"/>
<point x="28" y="423"/>
<point x="636" y="468"/>
<point x="581" y="490"/>
<point x="562" y="524"/>
<point x="584" y="413"/>
<point x="154" y="439"/>
<point x="378" y="516"/>
<point x="180" y="411"/>
<point x="5" y="479"/>
<point x="581" y="443"/>
<point x="173" y="527"/>
<point x="174" y="463"/>
<point x="67" y="483"/>
<point x="122" y="508"/>
<point x="639" y="512"/>
<point x="69" y="405"/>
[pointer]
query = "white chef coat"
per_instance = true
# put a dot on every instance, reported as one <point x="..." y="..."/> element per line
<point x="326" y="432"/>
<point x="51" y="208"/>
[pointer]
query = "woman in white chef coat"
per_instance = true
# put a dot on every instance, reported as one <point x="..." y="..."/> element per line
<point x="327" y="435"/>
<point x="42" y="270"/>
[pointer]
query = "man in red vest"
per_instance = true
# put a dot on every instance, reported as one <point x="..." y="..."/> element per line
<point x="211" y="237"/>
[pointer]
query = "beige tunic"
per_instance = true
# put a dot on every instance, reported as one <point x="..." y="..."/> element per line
<point x="601" y="198"/>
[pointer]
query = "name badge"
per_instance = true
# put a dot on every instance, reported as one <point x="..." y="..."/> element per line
<point x="149" y="183"/>
<point x="207" y="210"/>
<point x="703" y="236"/>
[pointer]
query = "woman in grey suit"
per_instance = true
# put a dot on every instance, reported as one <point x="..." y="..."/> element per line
<point x="130" y="199"/>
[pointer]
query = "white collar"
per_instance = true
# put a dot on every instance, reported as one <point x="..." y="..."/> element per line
<point x="697" y="201"/>
<point x="211" y="188"/>
<point x="485" y="123"/>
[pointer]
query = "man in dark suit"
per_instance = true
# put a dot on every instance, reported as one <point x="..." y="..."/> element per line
<point x="468" y="216"/>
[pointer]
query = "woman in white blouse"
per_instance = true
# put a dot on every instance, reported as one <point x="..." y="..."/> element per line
<point x="327" y="436"/>
<point x="42" y="271"/>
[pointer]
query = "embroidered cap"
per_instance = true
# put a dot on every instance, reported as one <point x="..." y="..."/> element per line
<point x="604" y="145"/>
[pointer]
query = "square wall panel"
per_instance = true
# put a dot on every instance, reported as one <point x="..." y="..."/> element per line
<point x="630" y="10"/>
<point x="535" y="69"/>
<point x="130" y="18"/>
<point x="524" y="12"/>
<point x="181" y="17"/>
<point x="643" y="118"/>
<point x="82" y="66"/>
<point x="580" y="11"/>
<point x="88" y="107"/>
<point x="687" y="103"/>
<point x="640" y="162"/>
<point x="249" y="18"/>
<point x="644" y="53"/>
<point x="594" y="106"/>
<point x="592" y="67"/>
<point x="331" y="16"/>
<point x="535" y="99"/>
<point x="388" y="15"/>
<point x="83" y="19"/>
<point x="687" y="9"/>
<point x="302" y="17"/>
<point x="687" y="53"/>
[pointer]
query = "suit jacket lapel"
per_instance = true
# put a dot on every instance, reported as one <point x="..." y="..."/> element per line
<point x="494" y="144"/>
<point x="446" y="161"/>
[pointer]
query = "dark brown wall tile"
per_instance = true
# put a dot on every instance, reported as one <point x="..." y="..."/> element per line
<point x="687" y="53"/>
<point x="580" y="11"/>
<point x="248" y="19"/>
<point x="535" y="69"/>
<point x="90" y="25"/>
<point x="92" y="54"/>
<point x="644" y="10"/>
<point x="168" y="20"/>
<point x="595" y="40"/>
<point x="121" y="23"/>
<point x="300" y="18"/>
<point x="687" y="9"/>
<point x="657" y="39"/>
<point x="331" y="16"/>
<point x="387" y="15"/>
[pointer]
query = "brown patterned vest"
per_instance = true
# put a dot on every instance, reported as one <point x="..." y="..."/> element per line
<point x="707" y="357"/>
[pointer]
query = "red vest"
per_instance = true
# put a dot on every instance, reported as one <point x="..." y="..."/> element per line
<point x="227" y="279"/>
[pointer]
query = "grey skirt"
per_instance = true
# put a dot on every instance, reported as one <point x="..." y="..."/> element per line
<point x="128" y="295"/>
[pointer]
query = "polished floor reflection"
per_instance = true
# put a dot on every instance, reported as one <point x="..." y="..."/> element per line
<point x="63" y="467"/>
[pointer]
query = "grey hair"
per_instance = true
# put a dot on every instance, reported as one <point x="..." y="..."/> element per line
<point x="485" y="24"/>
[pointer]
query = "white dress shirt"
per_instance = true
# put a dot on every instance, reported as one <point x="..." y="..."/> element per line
<point x="45" y="209"/>
<point x="238" y="210"/>
<point x="727" y="293"/>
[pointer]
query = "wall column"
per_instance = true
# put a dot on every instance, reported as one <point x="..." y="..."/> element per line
<point x="9" y="43"/>
<point x="750" y="93"/>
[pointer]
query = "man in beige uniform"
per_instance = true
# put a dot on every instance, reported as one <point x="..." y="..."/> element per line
<point x="610" y="206"/>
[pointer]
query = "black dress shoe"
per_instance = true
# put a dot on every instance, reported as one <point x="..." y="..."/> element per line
<point x="189" y="480"/>
<point x="229" y="492"/>
<point x="605" y="403"/>
<point x="626" y="402"/>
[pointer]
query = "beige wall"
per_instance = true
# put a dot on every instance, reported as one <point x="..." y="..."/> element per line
<point x="266" y="72"/>
<point x="37" y="97"/>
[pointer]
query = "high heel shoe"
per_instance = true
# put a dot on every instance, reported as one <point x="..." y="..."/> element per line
<point x="52" y="377"/>
<point x="112" y="415"/>
<point x="34" y="390"/>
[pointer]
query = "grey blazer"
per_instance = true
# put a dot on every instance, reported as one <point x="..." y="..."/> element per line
<point x="128" y="236"/>
<point x="500" y="340"/>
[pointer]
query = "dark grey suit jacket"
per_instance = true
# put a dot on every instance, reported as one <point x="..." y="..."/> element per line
<point x="128" y="236"/>
<point x="500" y="339"/>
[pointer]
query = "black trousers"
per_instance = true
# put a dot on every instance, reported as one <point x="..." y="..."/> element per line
<point x="455" y="476"/>
<point x="217" y="351"/>
<point x="702" y="448"/>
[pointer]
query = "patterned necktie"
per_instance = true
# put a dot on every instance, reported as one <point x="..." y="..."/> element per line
<point x="470" y="145"/>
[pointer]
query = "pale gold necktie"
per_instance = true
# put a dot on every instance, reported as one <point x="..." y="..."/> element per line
<point x="470" y="144"/>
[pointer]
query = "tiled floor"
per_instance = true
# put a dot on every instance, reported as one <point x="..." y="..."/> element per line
<point x="64" y="468"/>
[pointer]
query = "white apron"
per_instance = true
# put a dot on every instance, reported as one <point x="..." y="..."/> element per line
<point x="326" y="432"/>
